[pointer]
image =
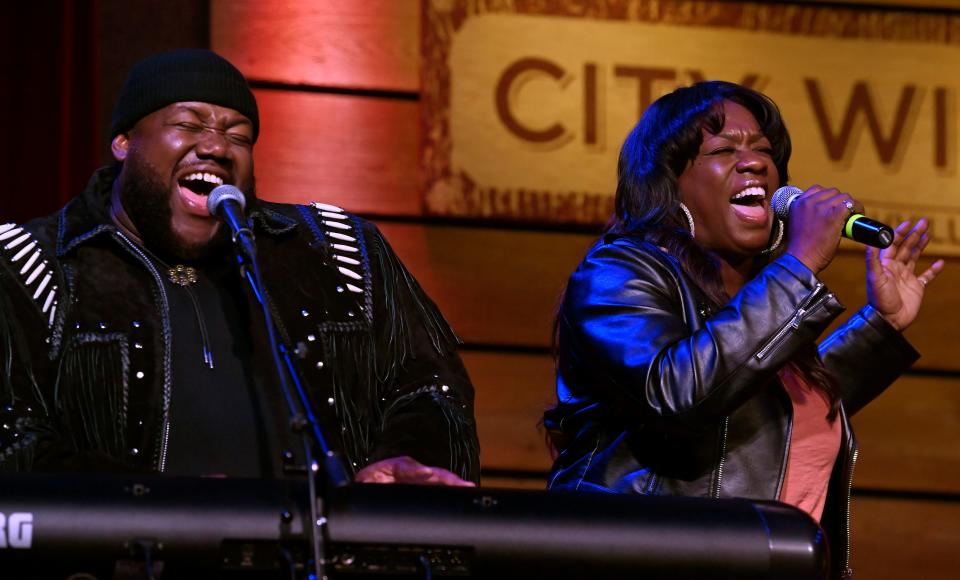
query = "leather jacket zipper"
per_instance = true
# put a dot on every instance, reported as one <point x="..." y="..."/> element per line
<point x="786" y="452"/>
<point x="847" y="571"/>
<point x="807" y="306"/>
<point x="161" y="462"/>
<point x="723" y="457"/>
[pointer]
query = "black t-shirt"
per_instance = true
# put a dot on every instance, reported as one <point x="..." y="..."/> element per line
<point x="222" y="421"/>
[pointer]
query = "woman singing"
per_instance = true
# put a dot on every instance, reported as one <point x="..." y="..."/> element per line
<point x="688" y="361"/>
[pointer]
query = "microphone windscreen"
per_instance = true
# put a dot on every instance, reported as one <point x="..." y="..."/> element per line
<point x="780" y="202"/>
<point x="222" y="193"/>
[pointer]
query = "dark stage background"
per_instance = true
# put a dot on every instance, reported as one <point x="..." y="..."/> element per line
<point x="63" y="63"/>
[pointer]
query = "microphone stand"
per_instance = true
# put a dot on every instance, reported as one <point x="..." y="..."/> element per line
<point x="302" y="419"/>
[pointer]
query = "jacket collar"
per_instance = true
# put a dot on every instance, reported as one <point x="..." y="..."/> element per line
<point x="88" y="215"/>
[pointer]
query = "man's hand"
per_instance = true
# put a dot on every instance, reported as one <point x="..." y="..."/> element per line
<point x="407" y="470"/>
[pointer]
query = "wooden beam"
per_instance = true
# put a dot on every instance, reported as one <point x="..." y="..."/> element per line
<point x="356" y="152"/>
<point x="494" y="286"/>
<point x="373" y="44"/>
<point x="905" y="539"/>
<point x="513" y="390"/>
<point x="908" y="437"/>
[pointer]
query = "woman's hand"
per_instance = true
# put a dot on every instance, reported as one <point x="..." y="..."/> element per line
<point x="817" y="217"/>
<point x="893" y="288"/>
<point x="408" y="470"/>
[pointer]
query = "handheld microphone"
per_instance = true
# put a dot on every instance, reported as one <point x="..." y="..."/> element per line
<point x="858" y="228"/>
<point x="228" y="202"/>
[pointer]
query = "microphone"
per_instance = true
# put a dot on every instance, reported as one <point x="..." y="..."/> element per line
<point x="228" y="202"/>
<point x="858" y="228"/>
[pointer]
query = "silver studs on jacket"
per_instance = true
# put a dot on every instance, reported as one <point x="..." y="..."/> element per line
<point x="24" y="252"/>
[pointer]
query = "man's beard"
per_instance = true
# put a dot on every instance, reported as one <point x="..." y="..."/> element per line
<point x="146" y="199"/>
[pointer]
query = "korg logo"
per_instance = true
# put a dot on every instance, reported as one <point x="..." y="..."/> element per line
<point x="16" y="531"/>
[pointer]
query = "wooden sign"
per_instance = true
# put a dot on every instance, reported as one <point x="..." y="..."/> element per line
<point x="525" y="103"/>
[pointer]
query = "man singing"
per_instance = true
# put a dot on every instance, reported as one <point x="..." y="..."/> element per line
<point x="130" y="343"/>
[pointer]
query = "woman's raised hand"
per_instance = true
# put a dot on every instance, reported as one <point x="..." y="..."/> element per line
<point x="893" y="286"/>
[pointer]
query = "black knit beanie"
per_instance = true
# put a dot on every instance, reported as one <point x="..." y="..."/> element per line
<point x="182" y="75"/>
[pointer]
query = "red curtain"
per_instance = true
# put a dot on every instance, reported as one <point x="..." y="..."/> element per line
<point x="51" y="142"/>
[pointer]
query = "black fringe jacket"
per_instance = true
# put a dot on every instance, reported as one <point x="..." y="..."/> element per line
<point x="85" y="342"/>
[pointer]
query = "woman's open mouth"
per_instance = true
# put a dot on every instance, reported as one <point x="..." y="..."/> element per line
<point x="750" y="204"/>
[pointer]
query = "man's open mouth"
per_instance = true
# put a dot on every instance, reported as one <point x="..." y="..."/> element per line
<point x="200" y="183"/>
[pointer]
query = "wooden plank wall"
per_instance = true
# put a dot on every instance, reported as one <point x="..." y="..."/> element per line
<point x="337" y="84"/>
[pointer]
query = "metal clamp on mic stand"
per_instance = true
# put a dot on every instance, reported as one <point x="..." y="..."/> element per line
<point x="228" y="202"/>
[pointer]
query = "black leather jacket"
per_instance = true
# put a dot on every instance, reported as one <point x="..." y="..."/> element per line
<point x="85" y="342"/>
<point x="661" y="393"/>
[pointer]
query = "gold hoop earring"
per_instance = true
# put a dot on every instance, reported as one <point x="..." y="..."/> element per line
<point x="686" y="212"/>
